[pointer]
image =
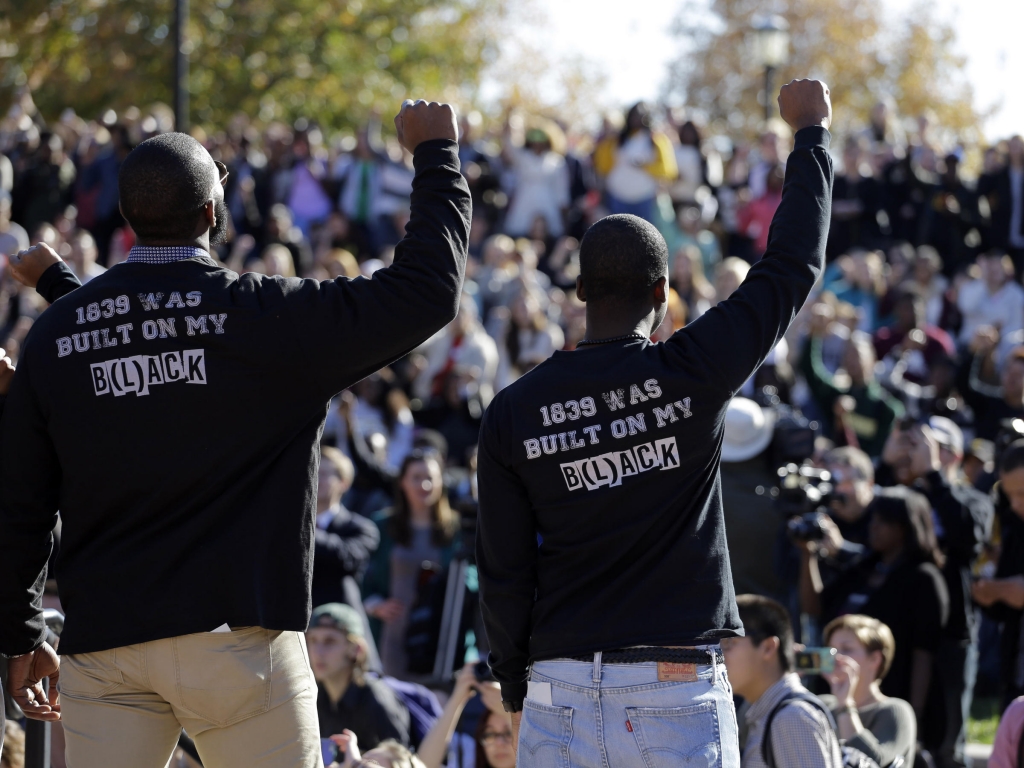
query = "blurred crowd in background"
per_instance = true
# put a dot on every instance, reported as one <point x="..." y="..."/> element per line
<point x="905" y="369"/>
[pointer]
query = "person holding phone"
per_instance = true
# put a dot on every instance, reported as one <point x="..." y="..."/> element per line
<point x="880" y="726"/>
<point x="348" y="698"/>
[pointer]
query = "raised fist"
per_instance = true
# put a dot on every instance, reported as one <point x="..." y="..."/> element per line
<point x="803" y="103"/>
<point x="28" y="266"/>
<point x="419" y="121"/>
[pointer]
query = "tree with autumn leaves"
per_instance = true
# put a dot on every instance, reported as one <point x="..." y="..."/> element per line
<point x="847" y="43"/>
<point x="333" y="59"/>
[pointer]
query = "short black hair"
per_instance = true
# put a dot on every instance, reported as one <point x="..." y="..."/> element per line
<point x="762" y="618"/>
<point x="164" y="183"/>
<point x="622" y="257"/>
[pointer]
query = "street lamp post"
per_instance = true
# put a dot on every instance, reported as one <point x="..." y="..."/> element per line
<point x="180" y="90"/>
<point x="771" y="50"/>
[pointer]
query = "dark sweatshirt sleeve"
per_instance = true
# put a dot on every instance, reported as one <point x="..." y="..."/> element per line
<point x="30" y="477"/>
<point x="58" y="280"/>
<point x="346" y="552"/>
<point x="344" y="329"/>
<point x="506" y="552"/>
<point x="749" y="324"/>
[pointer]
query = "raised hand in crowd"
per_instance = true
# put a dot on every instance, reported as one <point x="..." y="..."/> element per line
<point x="803" y="103"/>
<point x="435" y="745"/>
<point x="28" y="266"/>
<point x="348" y="745"/>
<point x="421" y="121"/>
<point x="923" y="451"/>
<point x="986" y="338"/>
<point x="843" y="680"/>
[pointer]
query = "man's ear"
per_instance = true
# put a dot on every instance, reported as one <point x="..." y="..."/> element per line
<point x="661" y="291"/>
<point x="581" y="294"/>
<point x="769" y="648"/>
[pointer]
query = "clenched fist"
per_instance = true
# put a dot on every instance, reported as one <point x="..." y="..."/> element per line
<point x="28" y="266"/>
<point x="419" y="121"/>
<point x="803" y="103"/>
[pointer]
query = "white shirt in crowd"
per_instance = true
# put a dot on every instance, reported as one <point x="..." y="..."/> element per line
<point x="475" y="350"/>
<point x="534" y="348"/>
<point x="1003" y="309"/>
<point x="628" y="181"/>
<point x="541" y="188"/>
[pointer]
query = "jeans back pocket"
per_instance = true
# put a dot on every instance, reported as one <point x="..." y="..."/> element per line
<point x="672" y="737"/>
<point x="224" y="678"/>
<point x="544" y="736"/>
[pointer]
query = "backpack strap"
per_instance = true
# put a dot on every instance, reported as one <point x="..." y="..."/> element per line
<point x="766" y="749"/>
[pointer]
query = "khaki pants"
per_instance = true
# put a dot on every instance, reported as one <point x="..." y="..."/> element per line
<point x="247" y="698"/>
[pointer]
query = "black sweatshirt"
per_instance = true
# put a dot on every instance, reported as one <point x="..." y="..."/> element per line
<point x="610" y="456"/>
<point x="181" y="444"/>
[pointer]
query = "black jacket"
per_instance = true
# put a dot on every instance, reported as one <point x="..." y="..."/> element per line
<point x="964" y="524"/>
<point x="181" y="444"/>
<point x="373" y="712"/>
<point x="1011" y="563"/>
<point x="609" y="455"/>
<point x="341" y="553"/>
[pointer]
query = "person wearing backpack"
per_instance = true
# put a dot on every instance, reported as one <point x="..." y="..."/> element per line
<point x="787" y="725"/>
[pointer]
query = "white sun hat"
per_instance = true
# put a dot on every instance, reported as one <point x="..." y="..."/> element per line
<point x="748" y="430"/>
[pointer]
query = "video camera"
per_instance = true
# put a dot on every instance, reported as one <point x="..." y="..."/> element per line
<point x="804" y="494"/>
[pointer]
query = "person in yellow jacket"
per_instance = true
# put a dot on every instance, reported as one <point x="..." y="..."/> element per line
<point x="634" y="163"/>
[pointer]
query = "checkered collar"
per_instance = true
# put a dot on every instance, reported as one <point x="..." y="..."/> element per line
<point x="164" y="255"/>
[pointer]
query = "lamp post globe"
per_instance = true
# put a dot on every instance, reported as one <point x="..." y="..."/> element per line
<point x="771" y="50"/>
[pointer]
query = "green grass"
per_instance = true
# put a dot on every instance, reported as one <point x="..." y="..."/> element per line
<point x="981" y="728"/>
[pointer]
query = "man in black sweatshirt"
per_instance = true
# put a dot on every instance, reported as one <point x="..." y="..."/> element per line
<point x="147" y="408"/>
<point x="601" y="538"/>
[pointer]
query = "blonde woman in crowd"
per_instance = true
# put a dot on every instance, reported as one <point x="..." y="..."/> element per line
<point x="880" y="726"/>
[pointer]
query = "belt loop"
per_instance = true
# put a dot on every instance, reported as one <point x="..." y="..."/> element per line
<point x="714" y="666"/>
<point x="597" y="667"/>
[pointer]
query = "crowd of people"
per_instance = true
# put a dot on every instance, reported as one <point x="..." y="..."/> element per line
<point x="893" y="405"/>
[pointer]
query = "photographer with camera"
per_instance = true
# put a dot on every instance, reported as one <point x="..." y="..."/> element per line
<point x="901" y="584"/>
<point x="1002" y="597"/>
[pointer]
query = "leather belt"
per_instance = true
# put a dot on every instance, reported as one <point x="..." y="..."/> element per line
<point x="658" y="654"/>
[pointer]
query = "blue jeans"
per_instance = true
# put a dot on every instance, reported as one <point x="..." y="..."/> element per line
<point x="621" y="716"/>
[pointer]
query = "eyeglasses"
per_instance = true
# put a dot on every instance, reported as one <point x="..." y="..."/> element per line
<point x="489" y="737"/>
<point x="223" y="171"/>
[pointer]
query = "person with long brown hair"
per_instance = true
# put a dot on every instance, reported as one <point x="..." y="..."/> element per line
<point x="418" y="529"/>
